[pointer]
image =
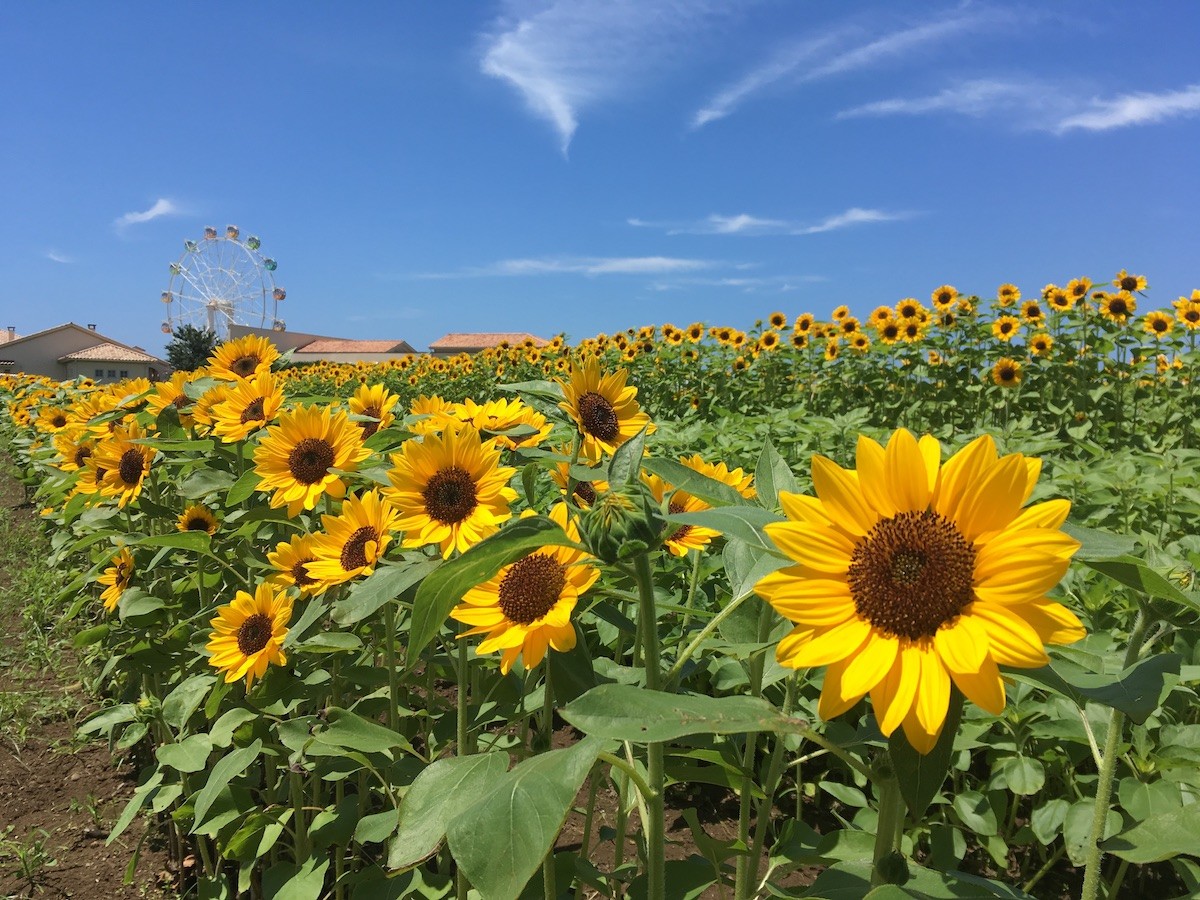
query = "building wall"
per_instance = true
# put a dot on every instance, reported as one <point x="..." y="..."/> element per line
<point x="40" y="355"/>
<point x="106" y="372"/>
<point x="347" y="357"/>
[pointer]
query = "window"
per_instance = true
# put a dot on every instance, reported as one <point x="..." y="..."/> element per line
<point x="99" y="373"/>
<point x="124" y="373"/>
<point x="112" y="373"/>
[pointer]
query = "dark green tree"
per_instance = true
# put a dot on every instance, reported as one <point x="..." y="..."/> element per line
<point x="190" y="347"/>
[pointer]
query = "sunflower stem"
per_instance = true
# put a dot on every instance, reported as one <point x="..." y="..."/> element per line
<point x="389" y="659"/>
<point x="655" y="824"/>
<point x="774" y="773"/>
<point x="746" y="869"/>
<point x="891" y="818"/>
<point x="1108" y="766"/>
<point x="549" y="886"/>
<point x="693" y="579"/>
<point x="462" y="732"/>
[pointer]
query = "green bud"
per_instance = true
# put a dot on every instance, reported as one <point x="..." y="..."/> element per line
<point x="623" y="522"/>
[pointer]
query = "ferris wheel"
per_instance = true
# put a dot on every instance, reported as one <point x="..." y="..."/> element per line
<point x="222" y="281"/>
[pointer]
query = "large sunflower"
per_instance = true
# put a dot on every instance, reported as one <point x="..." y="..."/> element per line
<point x="910" y="575"/>
<point x="1118" y="307"/>
<point x="171" y="393"/>
<point x="125" y="464"/>
<point x="526" y="606"/>
<point x="603" y="407"/>
<point x="248" y="633"/>
<point x="449" y="489"/>
<point x="502" y="415"/>
<point x="354" y="540"/>
<point x="116" y="579"/>
<point x="295" y="457"/>
<point x="250" y="404"/>
<point x="243" y="357"/>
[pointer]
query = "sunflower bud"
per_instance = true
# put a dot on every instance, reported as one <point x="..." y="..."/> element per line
<point x="622" y="522"/>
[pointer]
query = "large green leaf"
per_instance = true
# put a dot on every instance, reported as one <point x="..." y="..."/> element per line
<point x="688" y="479"/>
<point x="445" y="586"/>
<point x="922" y="776"/>
<point x="188" y="755"/>
<point x="745" y="523"/>
<point x="630" y="713"/>
<point x="1160" y="837"/>
<point x="501" y="840"/>
<point x="227" y="768"/>
<point x="200" y="484"/>
<point x="772" y="475"/>
<point x="196" y="541"/>
<point x="384" y="584"/>
<point x="286" y="881"/>
<point x="626" y="463"/>
<point x="186" y="698"/>
<point x="440" y="793"/>
<point x="1134" y="573"/>
<point x="1099" y="544"/>
<point x="1134" y="692"/>
<point x="352" y="732"/>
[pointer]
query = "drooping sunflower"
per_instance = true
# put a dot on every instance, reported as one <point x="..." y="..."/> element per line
<point x="1159" y="324"/>
<point x="911" y="576"/>
<point x="242" y="358"/>
<point x="353" y="541"/>
<point x="248" y="634"/>
<point x="840" y="312"/>
<point x="584" y="493"/>
<point x="1129" y="283"/>
<point x="290" y="560"/>
<point x="526" y="607"/>
<point x="1006" y="372"/>
<point x="376" y="401"/>
<point x="296" y="455"/>
<point x="249" y="405"/>
<point x="197" y="517"/>
<point x="124" y="462"/>
<point x="604" y="408"/>
<point x="449" y="489"/>
<point x="1040" y="344"/>
<point x="1118" y="307"/>
<point x="1006" y="327"/>
<point x="1008" y="294"/>
<point x="944" y="297"/>
<point x="116" y="578"/>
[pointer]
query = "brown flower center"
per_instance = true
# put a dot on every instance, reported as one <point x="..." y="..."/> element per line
<point x="59" y="420"/>
<point x="354" y="552"/>
<point x="1129" y="283"/>
<point x="254" y="411"/>
<point x="911" y="574"/>
<point x="450" y="495"/>
<point x="254" y="634"/>
<point x="677" y="536"/>
<point x="299" y="572"/>
<point x="585" y="492"/>
<point x="197" y="523"/>
<point x="310" y="460"/>
<point x="245" y="366"/>
<point x="131" y="466"/>
<point x="531" y="587"/>
<point x="597" y="417"/>
<point x="180" y="401"/>
<point x="82" y="453"/>
<point x="1118" y="307"/>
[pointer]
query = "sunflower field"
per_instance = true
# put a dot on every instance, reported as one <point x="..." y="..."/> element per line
<point x="899" y="605"/>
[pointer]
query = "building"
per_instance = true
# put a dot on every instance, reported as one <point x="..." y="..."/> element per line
<point x="473" y="341"/>
<point x="317" y="347"/>
<point x="70" y="351"/>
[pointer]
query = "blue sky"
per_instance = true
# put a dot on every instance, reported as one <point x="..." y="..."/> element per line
<point x="587" y="166"/>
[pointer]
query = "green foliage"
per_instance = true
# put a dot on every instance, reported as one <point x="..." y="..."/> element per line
<point x="190" y="347"/>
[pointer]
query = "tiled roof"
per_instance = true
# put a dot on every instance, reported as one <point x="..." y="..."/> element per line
<point x="6" y="336"/>
<point x="344" y="345"/>
<point x="457" y="340"/>
<point x="107" y="352"/>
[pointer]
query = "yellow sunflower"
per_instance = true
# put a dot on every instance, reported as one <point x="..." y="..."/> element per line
<point x="585" y="491"/>
<point x="449" y="489"/>
<point x="804" y="323"/>
<point x="116" y="578"/>
<point x="74" y="446"/>
<point x="840" y="312"/>
<point x="1129" y="283"/>
<point x="911" y="576"/>
<point x="197" y="517"/>
<point x="1188" y="313"/>
<point x="778" y="320"/>
<point x="739" y="480"/>
<point x="1008" y="294"/>
<point x="52" y="419"/>
<point x="1118" y="307"/>
<point x="376" y="401"/>
<point x="296" y="455"/>
<point x="909" y="308"/>
<point x="242" y="358"/>
<point x="684" y="537"/>
<point x="526" y="607"/>
<point x="290" y="560"/>
<point x="503" y="414"/>
<point x="1077" y="289"/>
<point x="1159" y="324"/>
<point x="353" y="541"/>
<point x="1040" y="344"/>
<point x="1006" y="372"/>
<point x="124" y="462"/>
<point x="880" y="315"/>
<point x="695" y="332"/>
<point x="434" y="413"/>
<point x="171" y="393"/>
<point x="248" y="634"/>
<point x="1031" y="312"/>
<point x="889" y="332"/>
<point x="944" y="297"/>
<point x="1005" y="327"/>
<point x="605" y="410"/>
<point x="249" y="405"/>
<point x="1060" y="300"/>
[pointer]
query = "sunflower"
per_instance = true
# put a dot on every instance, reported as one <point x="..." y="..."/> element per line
<point x="889" y="332"/>
<point x="935" y="358"/>
<point x="1060" y="300"/>
<point x="944" y="297"/>
<point x="804" y="323"/>
<point x="202" y="412"/>
<point x="449" y="489"/>
<point x="353" y="541"/>
<point x="116" y="578"/>
<point x="125" y="464"/>
<point x="1006" y="372"/>
<point x="296" y="455"/>
<point x="434" y="412"/>
<point x="1040" y="344"/>
<point x="52" y="419"/>
<point x="197" y="517"/>
<point x="290" y="560"/>
<point x="1159" y="324"/>
<point x="242" y="358"/>
<point x="880" y="315"/>
<point x="1118" y="307"/>
<point x="1005" y="327"/>
<point x="860" y="343"/>
<point x="1188" y="313"/>
<point x="604" y="409"/>
<point x="1031" y="312"/>
<point x="249" y="405"/>
<point x="171" y="393"/>
<point x="799" y="340"/>
<point x="1077" y="289"/>
<point x="376" y="401"/>
<point x="74" y="446"/>
<point x="777" y="320"/>
<point x="739" y="480"/>
<point x="695" y="332"/>
<point x="684" y="537"/>
<point x="911" y="331"/>
<point x="832" y="349"/>
<point x="911" y="576"/>
<point x="1008" y="294"/>
<point x="1129" y="283"/>
<point x="848" y="325"/>
<point x="909" y="308"/>
<point x="503" y="414"/>
<point x="585" y="491"/>
<point x="840" y="312"/>
<point x="248" y="633"/>
<point x="768" y="340"/>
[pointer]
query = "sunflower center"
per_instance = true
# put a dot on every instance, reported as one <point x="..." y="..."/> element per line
<point x="310" y="459"/>
<point x="677" y="536"/>
<point x="598" y="417"/>
<point x="82" y="453"/>
<point x="1118" y="307"/>
<point x="197" y="523"/>
<point x="180" y="401"/>
<point x="450" y="495"/>
<point x="254" y="634"/>
<point x="531" y="587"/>
<point x="244" y="366"/>
<point x="299" y="573"/>
<point x="1129" y="283"/>
<point x="254" y="411"/>
<point x="130" y="466"/>
<point x="585" y="492"/>
<point x="59" y="421"/>
<point x="912" y="574"/>
<point x="354" y="552"/>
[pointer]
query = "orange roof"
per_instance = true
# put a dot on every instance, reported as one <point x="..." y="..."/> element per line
<point x="108" y="352"/>
<point x="346" y="345"/>
<point x="474" y="340"/>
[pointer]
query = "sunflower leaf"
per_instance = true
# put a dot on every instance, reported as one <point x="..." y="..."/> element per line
<point x="921" y="777"/>
<point x="1160" y="837"/>
<point x="695" y="483"/>
<point x="772" y="475"/>
<point x="227" y="768"/>
<point x="445" y="585"/>
<point x="383" y="585"/>
<point x="1135" y="691"/>
<point x="745" y="523"/>
<point x="626" y="463"/>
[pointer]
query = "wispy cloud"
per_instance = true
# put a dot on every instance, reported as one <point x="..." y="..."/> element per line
<point x="580" y="265"/>
<point x="1134" y="109"/>
<point x="745" y="224"/>
<point x="566" y="55"/>
<point x="970" y="98"/>
<point x="839" y="51"/>
<point x="55" y="256"/>
<point x="745" y="284"/>
<point x="162" y="207"/>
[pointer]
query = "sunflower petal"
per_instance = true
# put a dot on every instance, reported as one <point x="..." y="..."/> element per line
<point x="871" y="664"/>
<point x="829" y="645"/>
<point x="984" y="687"/>
<point x="933" y="695"/>
<point x="872" y="478"/>
<point x="834" y="699"/>
<point x="962" y="646"/>
<point x="842" y="497"/>
<point x="1012" y="640"/>
<point x="818" y="548"/>
<point x="893" y="697"/>
<point x="906" y="472"/>
<point x="1053" y="622"/>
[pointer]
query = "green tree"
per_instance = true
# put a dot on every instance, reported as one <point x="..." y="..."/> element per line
<point x="190" y="347"/>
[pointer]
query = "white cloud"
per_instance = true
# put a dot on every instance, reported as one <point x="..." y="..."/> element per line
<point x="745" y="224"/>
<point x="969" y="98"/>
<point x="162" y="207"/>
<point x="828" y="55"/>
<point x="566" y="55"/>
<point x="853" y="216"/>
<point x="55" y="256"/>
<point x="580" y="265"/>
<point x="1134" y="109"/>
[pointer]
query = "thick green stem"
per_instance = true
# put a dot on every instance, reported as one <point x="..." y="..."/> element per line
<point x="1108" y="767"/>
<point x="462" y="732"/>
<point x="746" y="869"/>
<point x="389" y="660"/>
<point x="549" y="886"/>
<point x="655" y="824"/>
<point x="891" y="818"/>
